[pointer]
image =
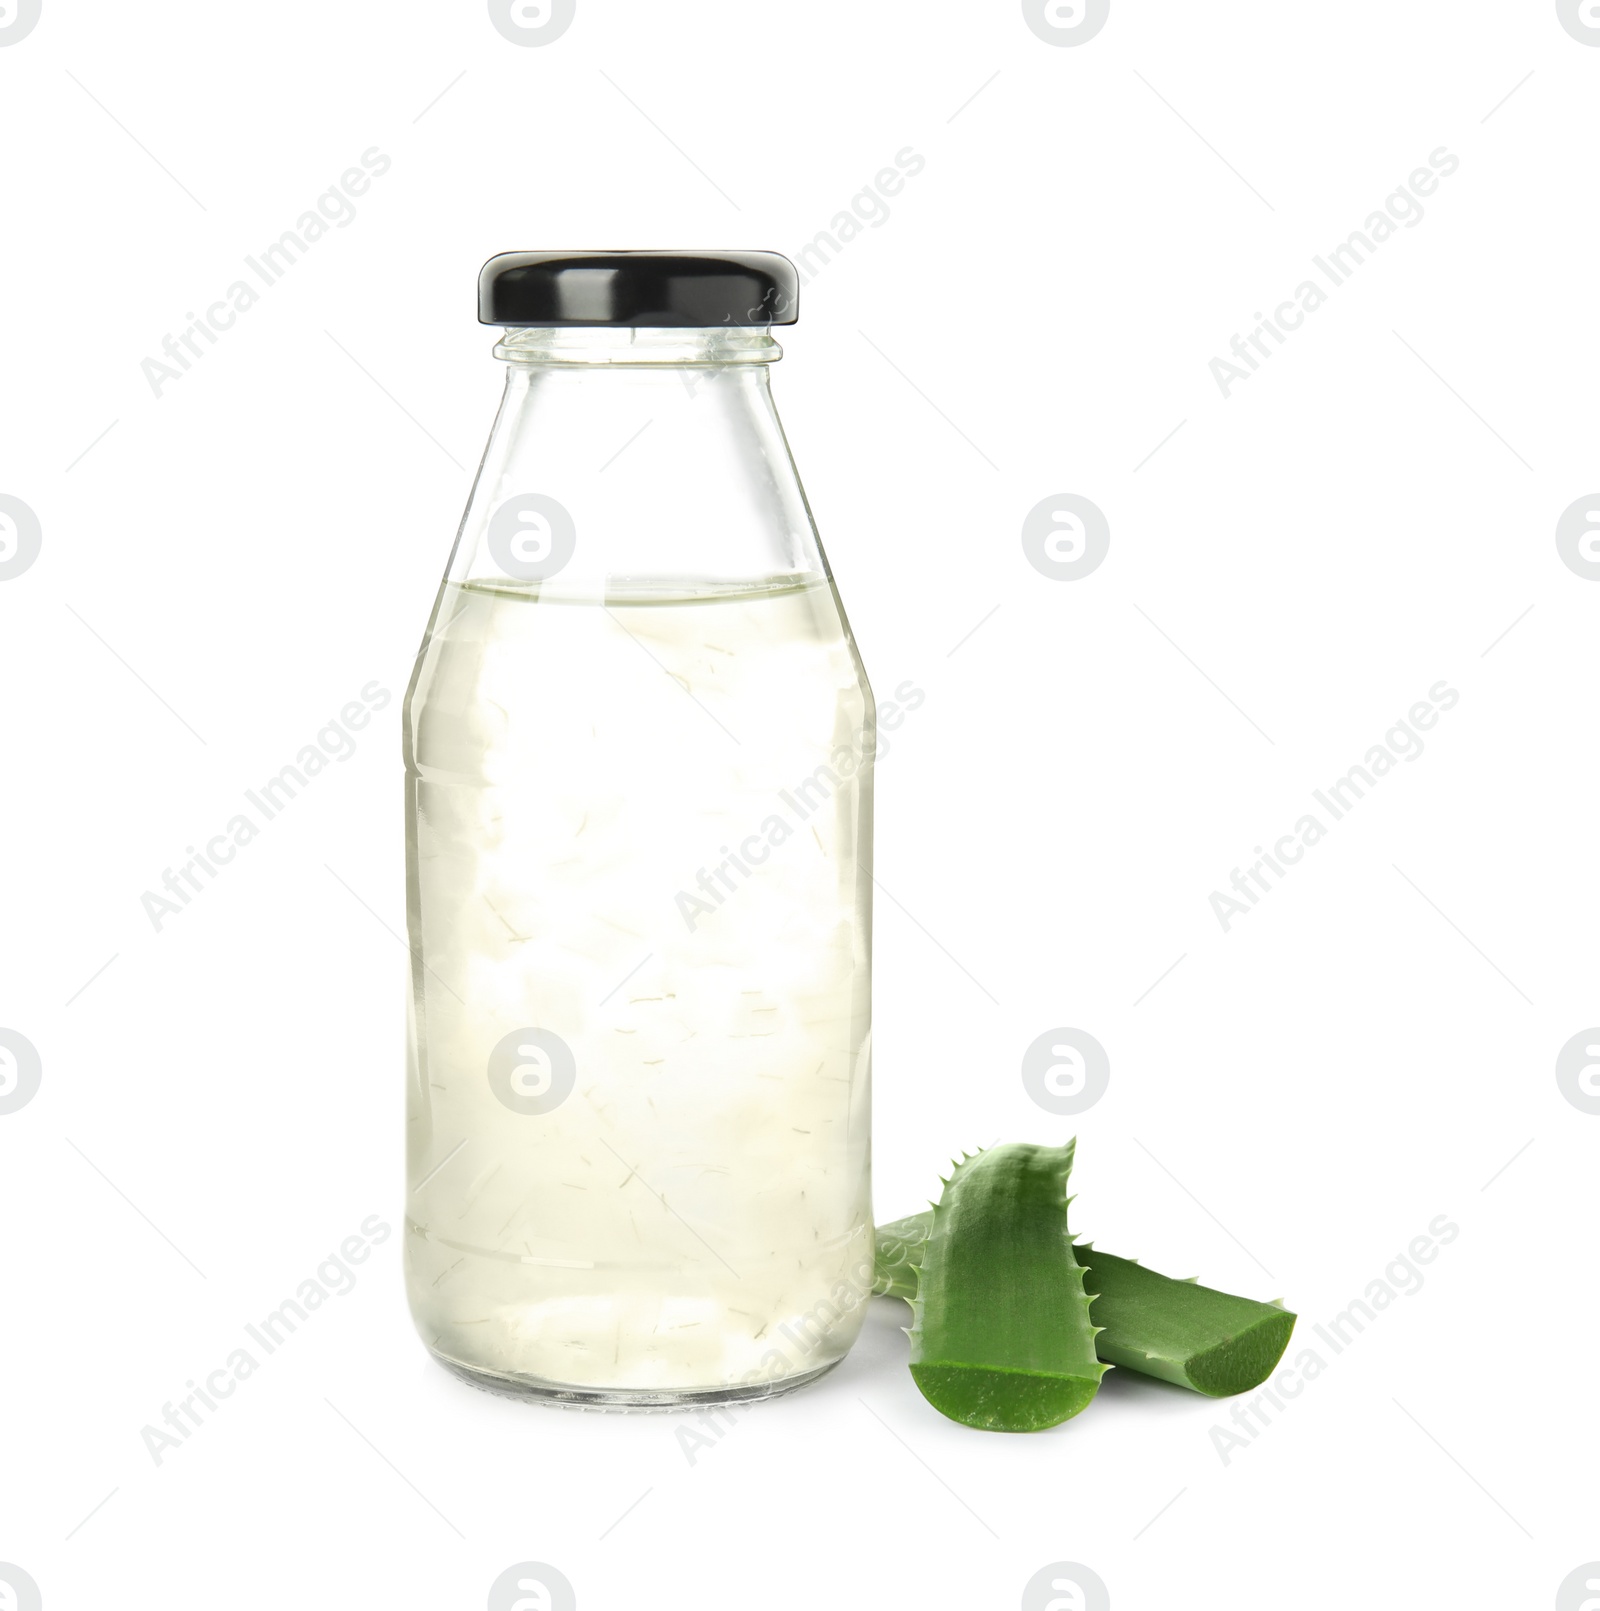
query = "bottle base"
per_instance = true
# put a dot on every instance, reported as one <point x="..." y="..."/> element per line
<point x="535" y="1390"/>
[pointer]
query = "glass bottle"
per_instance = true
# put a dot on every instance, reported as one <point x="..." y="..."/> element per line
<point x="639" y="746"/>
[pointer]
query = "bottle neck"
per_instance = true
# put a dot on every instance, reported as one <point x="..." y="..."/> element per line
<point x="591" y="346"/>
<point x="637" y="460"/>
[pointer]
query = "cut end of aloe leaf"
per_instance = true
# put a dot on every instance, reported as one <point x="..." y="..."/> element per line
<point x="1003" y="1400"/>
<point x="1244" y="1361"/>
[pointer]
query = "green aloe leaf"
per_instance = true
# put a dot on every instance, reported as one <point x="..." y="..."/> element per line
<point x="1180" y="1331"/>
<point x="899" y="1255"/>
<point x="1002" y="1337"/>
<point x="1196" y="1337"/>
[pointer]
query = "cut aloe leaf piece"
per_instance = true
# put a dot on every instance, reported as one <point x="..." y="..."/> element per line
<point x="1196" y="1337"/>
<point x="1180" y="1331"/>
<point x="1002" y="1338"/>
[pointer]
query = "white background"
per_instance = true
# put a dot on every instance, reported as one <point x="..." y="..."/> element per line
<point x="1373" y="1045"/>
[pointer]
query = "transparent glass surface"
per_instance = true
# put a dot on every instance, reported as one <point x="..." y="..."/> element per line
<point x="639" y="751"/>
